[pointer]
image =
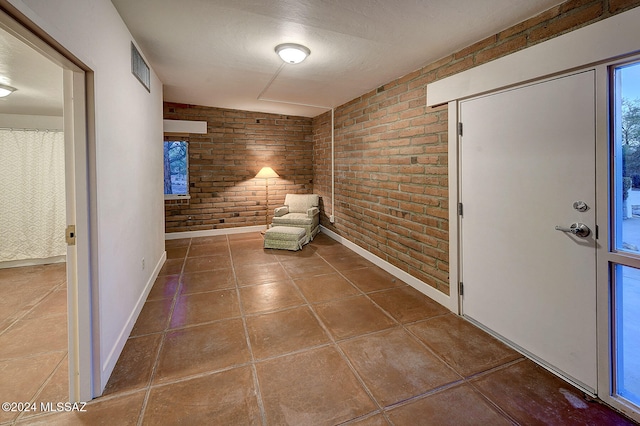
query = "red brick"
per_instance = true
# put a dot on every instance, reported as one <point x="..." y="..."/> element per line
<point x="217" y="169"/>
<point x="616" y="6"/>
<point x="501" y="49"/>
<point x="566" y="22"/>
<point x="575" y="4"/>
<point x="455" y="67"/>
<point x="482" y="44"/>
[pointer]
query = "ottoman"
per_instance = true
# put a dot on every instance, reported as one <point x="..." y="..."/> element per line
<point x="285" y="238"/>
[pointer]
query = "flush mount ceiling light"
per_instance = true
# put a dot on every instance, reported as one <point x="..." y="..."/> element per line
<point x="292" y="53"/>
<point x="6" y="90"/>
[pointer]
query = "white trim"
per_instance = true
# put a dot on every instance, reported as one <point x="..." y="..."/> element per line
<point x="332" y="217"/>
<point x="213" y="232"/>
<point x="612" y="37"/>
<point x="603" y="304"/>
<point x="82" y="308"/>
<point x="177" y="197"/>
<point x="111" y="359"/>
<point x="454" y="222"/>
<point x="185" y="126"/>
<point x="422" y="287"/>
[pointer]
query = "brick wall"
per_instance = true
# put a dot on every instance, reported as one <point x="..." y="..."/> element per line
<point x="391" y="192"/>
<point x="223" y="164"/>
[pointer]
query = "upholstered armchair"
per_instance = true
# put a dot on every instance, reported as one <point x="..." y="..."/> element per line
<point x="300" y="210"/>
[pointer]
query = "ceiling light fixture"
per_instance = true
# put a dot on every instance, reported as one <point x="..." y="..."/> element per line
<point x="6" y="90"/>
<point x="292" y="53"/>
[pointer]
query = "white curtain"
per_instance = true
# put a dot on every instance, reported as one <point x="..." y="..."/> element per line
<point x="32" y="195"/>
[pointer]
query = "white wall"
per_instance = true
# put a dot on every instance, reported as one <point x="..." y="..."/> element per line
<point x="41" y="122"/>
<point x="128" y="135"/>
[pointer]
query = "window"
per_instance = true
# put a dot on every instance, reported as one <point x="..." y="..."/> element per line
<point x="627" y="335"/>
<point x="627" y="145"/>
<point x="176" y="169"/>
<point x="625" y="287"/>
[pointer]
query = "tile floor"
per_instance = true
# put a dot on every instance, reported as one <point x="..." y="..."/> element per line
<point x="33" y="335"/>
<point x="232" y="334"/>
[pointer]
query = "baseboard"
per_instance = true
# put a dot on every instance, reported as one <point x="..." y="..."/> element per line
<point x="110" y="362"/>
<point x="421" y="286"/>
<point x="33" y="262"/>
<point x="213" y="232"/>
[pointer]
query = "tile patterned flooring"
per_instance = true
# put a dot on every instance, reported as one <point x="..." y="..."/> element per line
<point x="232" y="334"/>
<point x="33" y="335"/>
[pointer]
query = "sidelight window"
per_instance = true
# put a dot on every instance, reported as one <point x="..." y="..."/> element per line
<point x="625" y="288"/>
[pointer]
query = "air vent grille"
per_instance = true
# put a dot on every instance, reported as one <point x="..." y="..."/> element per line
<point x="140" y="69"/>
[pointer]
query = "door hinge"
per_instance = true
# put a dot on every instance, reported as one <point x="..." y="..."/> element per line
<point x="461" y="287"/>
<point x="70" y="235"/>
<point x="460" y="128"/>
<point x="460" y="210"/>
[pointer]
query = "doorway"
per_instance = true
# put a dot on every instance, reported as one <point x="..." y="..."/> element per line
<point x="78" y="343"/>
<point x="33" y="279"/>
<point x="609" y="46"/>
<point x="528" y="233"/>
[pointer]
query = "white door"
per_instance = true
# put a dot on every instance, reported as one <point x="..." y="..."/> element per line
<point x="527" y="166"/>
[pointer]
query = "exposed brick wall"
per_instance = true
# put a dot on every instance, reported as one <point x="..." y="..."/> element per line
<point x="391" y="192"/>
<point x="223" y="164"/>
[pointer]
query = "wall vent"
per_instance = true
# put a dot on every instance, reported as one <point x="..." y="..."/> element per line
<point x="140" y="69"/>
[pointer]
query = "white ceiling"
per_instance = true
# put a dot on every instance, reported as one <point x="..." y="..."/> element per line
<point x="38" y="80"/>
<point x="221" y="52"/>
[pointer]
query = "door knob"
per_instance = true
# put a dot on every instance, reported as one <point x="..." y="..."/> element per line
<point x="578" y="228"/>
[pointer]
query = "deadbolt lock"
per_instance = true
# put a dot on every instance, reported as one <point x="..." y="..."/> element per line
<point x="581" y="206"/>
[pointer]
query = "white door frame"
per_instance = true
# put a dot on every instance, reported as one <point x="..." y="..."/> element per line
<point x="77" y="171"/>
<point x="79" y="301"/>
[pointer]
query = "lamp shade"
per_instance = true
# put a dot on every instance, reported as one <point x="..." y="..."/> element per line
<point x="266" y="173"/>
